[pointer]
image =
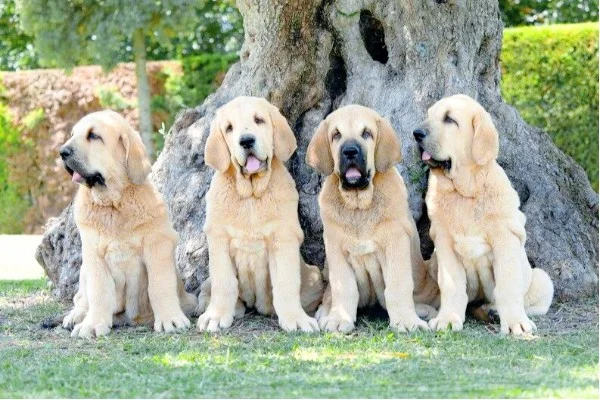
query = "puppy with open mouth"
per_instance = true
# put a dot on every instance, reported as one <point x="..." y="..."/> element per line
<point x="128" y="273"/>
<point x="476" y="225"/>
<point x="371" y="241"/>
<point x="252" y="224"/>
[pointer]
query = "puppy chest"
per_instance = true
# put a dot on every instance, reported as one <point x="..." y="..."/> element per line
<point x="366" y="260"/>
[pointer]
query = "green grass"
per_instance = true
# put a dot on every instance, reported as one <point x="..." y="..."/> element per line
<point x="254" y="359"/>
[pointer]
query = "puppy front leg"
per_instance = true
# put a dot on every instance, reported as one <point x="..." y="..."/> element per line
<point x="399" y="286"/>
<point x="284" y="268"/>
<point x="344" y="291"/>
<point x="224" y="290"/>
<point x="159" y="257"/>
<point x="80" y="303"/>
<point x="509" y="292"/>
<point x="452" y="281"/>
<point x="101" y="296"/>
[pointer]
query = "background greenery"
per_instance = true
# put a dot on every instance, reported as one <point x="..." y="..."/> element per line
<point x="550" y="74"/>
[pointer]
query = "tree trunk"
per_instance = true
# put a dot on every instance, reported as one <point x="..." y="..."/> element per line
<point x="143" y="87"/>
<point x="310" y="57"/>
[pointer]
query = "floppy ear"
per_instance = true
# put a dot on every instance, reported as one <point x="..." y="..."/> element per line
<point x="284" y="141"/>
<point x="138" y="164"/>
<point x="216" y="152"/>
<point x="387" y="150"/>
<point x="318" y="153"/>
<point x="485" y="145"/>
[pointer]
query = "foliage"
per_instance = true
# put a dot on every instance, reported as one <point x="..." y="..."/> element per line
<point x="12" y="202"/>
<point x="101" y="32"/>
<point x="110" y="97"/>
<point x="256" y="359"/>
<point x="202" y="75"/>
<point x="535" y="12"/>
<point x="16" y="48"/>
<point x="550" y="74"/>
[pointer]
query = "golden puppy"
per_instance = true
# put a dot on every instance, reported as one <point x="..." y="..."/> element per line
<point x="476" y="225"/>
<point x="128" y="244"/>
<point x="371" y="241"/>
<point x="252" y="224"/>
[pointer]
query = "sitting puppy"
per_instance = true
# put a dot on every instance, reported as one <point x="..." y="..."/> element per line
<point x="371" y="241"/>
<point x="252" y="224"/>
<point x="476" y="225"/>
<point x="128" y="245"/>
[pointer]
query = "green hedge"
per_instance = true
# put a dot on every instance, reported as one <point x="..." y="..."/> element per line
<point x="550" y="74"/>
<point x="12" y="202"/>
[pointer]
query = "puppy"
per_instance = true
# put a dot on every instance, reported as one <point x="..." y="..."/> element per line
<point x="128" y="245"/>
<point x="476" y="225"/>
<point x="252" y="224"/>
<point x="371" y="241"/>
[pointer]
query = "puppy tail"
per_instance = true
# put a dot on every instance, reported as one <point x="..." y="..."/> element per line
<point x="53" y="322"/>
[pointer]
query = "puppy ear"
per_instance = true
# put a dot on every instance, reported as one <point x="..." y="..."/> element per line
<point x="387" y="150"/>
<point x="136" y="159"/>
<point x="216" y="152"/>
<point x="318" y="153"/>
<point x="284" y="141"/>
<point x="486" y="144"/>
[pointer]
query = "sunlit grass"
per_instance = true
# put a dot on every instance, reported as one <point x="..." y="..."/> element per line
<point x="251" y="362"/>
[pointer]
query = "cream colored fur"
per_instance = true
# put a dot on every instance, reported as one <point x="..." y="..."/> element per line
<point x="252" y="224"/>
<point x="128" y="244"/>
<point x="371" y="241"/>
<point x="476" y="225"/>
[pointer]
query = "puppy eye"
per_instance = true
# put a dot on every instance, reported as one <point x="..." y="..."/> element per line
<point x="366" y="135"/>
<point x="229" y="128"/>
<point x="449" y="120"/>
<point x="93" y="136"/>
<point x="258" y="120"/>
<point x="336" y="136"/>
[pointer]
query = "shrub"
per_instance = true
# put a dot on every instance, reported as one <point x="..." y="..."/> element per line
<point x="550" y="74"/>
<point x="12" y="201"/>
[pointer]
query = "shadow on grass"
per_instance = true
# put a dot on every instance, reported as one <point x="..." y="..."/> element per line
<point x="255" y="359"/>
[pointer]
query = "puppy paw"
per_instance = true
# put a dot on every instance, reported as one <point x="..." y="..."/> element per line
<point x="409" y="323"/>
<point x="213" y="321"/>
<point x="445" y="320"/>
<point x="173" y="322"/>
<point x="322" y="312"/>
<point x="517" y="325"/>
<point x="74" y="317"/>
<point x="88" y="329"/>
<point x="425" y="311"/>
<point x="334" y="322"/>
<point x="298" y="321"/>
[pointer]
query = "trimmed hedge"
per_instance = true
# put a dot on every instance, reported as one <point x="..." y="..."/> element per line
<point x="550" y="74"/>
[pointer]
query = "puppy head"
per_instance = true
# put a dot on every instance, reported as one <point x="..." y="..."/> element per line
<point x="458" y="132"/>
<point x="104" y="149"/>
<point x="354" y="142"/>
<point x="247" y="133"/>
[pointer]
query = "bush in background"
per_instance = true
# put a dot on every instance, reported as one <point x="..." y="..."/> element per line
<point x="550" y="74"/>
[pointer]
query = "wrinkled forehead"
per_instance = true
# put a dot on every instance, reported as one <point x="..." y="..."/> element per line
<point x="243" y="110"/>
<point x="352" y="122"/>
<point x="454" y="104"/>
<point x="99" y="123"/>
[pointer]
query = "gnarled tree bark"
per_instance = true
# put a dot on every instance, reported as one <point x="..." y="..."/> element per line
<point x="309" y="57"/>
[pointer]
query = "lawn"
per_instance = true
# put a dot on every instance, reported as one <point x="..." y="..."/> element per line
<point x="255" y="359"/>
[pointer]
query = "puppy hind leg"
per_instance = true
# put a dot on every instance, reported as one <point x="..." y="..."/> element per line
<point x="311" y="287"/>
<point x="538" y="297"/>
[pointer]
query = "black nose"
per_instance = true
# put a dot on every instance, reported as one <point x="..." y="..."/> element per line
<point x="419" y="134"/>
<point x="350" y="151"/>
<point x="247" y="141"/>
<point x="65" y="152"/>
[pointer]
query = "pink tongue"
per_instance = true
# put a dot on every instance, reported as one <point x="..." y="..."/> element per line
<point x="252" y="164"/>
<point x="77" y="178"/>
<point x="425" y="156"/>
<point x="352" y="173"/>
